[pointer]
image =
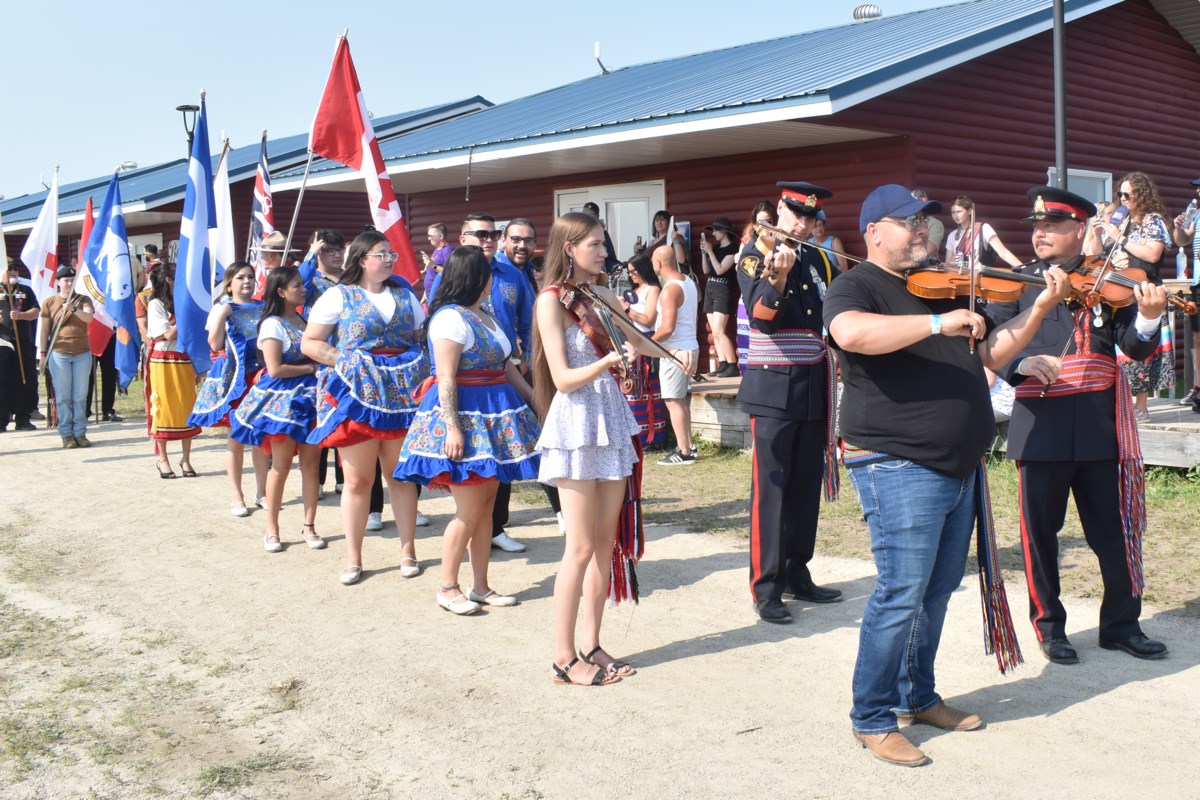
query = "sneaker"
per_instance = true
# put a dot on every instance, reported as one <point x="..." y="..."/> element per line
<point x="320" y="492"/>
<point x="337" y="487"/>
<point x="1190" y="397"/>
<point x="507" y="543"/>
<point x="677" y="459"/>
<point x="562" y="523"/>
<point x="26" y="426"/>
<point x="422" y="520"/>
<point x="375" y="521"/>
<point x="112" y="416"/>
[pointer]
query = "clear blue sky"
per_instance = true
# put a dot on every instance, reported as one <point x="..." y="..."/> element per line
<point x="92" y="85"/>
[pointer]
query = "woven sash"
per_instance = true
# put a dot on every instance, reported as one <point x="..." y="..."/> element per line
<point x="799" y="347"/>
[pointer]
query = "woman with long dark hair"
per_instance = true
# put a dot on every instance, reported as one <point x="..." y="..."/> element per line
<point x="646" y="401"/>
<point x="281" y="408"/>
<point x="587" y="449"/>
<point x="474" y="429"/>
<point x="966" y="242"/>
<point x="171" y="380"/>
<point x="232" y="334"/>
<point x="366" y="331"/>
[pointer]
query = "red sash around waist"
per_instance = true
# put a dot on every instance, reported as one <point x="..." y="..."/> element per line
<point x="468" y="377"/>
<point x="1079" y="374"/>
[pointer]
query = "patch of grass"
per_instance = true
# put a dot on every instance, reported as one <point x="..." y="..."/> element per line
<point x="225" y="777"/>
<point x="286" y="694"/>
<point x="27" y="738"/>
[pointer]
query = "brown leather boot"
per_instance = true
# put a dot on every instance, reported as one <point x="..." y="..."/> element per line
<point x="893" y="748"/>
<point x="945" y="717"/>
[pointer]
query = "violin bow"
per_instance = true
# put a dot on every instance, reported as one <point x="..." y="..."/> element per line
<point x="971" y="266"/>
<point x="622" y="323"/>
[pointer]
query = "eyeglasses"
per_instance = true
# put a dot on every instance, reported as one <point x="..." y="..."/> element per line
<point x="525" y="240"/>
<point x="1125" y="195"/>
<point x="910" y="223"/>
<point x="387" y="257"/>
<point x="483" y="236"/>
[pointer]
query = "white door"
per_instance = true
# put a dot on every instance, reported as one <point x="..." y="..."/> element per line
<point x="625" y="208"/>
<point x="137" y="245"/>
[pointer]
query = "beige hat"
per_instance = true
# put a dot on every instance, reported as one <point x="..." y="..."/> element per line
<point x="274" y="243"/>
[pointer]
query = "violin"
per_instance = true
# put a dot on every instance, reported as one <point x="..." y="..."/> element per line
<point x="942" y="281"/>
<point x="1094" y="282"/>
<point x="769" y="236"/>
<point x="595" y="320"/>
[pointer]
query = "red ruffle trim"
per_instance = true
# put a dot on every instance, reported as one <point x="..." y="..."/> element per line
<point x="350" y="433"/>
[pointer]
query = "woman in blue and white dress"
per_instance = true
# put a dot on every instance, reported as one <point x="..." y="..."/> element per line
<point x="366" y="331"/>
<point x="280" y="410"/>
<point x="474" y="429"/>
<point x="232" y="334"/>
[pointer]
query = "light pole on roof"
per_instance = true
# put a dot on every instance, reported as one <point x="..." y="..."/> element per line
<point x="189" y="123"/>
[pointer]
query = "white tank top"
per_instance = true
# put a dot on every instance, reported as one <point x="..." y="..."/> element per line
<point x="684" y="335"/>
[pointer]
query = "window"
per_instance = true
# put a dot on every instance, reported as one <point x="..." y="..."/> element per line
<point x="1088" y="184"/>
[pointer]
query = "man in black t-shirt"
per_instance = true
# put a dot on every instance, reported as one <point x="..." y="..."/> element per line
<point x="916" y="420"/>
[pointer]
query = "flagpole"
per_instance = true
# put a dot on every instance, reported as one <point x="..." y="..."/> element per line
<point x="296" y="212"/>
<point x="250" y="235"/>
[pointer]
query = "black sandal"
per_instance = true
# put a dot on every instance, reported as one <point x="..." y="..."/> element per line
<point x="187" y="471"/>
<point x="621" y="669"/>
<point x="164" y="475"/>
<point x="601" y="678"/>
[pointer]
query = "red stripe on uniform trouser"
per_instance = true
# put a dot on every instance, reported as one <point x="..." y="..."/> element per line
<point x="802" y="347"/>
<point x="468" y="377"/>
<point x="1025" y="548"/>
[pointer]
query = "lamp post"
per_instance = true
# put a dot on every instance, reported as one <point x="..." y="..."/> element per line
<point x="189" y="123"/>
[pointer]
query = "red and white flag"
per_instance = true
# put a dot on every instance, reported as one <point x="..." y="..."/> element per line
<point x="262" y="218"/>
<point x="40" y="253"/>
<point x="100" y="329"/>
<point x="342" y="132"/>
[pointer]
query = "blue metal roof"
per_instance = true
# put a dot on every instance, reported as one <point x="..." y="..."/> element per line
<point x="162" y="183"/>
<point x="824" y="65"/>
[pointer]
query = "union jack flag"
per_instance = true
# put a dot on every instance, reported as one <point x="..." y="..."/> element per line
<point x="262" y="217"/>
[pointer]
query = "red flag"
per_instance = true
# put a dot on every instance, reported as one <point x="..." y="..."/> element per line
<point x="342" y="132"/>
<point x="99" y="334"/>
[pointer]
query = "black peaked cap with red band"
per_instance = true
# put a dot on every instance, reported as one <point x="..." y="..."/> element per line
<point x="1054" y="204"/>
<point x="803" y="198"/>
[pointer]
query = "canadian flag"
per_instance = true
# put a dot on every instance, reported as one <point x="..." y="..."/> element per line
<point x="342" y="132"/>
<point x="40" y="253"/>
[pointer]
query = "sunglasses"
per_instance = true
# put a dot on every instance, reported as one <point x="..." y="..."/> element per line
<point x="910" y="223"/>
<point x="1125" y="195"/>
<point x="483" y="236"/>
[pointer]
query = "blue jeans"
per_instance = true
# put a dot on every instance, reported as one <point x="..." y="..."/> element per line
<point x="70" y="375"/>
<point x="921" y="524"/>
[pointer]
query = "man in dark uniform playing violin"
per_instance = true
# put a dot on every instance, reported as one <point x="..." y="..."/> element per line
<point x="786" y="391"/>
<point x="1073" y="432"/>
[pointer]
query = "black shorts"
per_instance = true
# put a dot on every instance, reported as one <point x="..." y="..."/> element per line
<point x="719" y="298"/>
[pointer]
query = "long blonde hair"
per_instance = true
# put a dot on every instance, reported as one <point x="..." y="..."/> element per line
<point x="571" y="227"/>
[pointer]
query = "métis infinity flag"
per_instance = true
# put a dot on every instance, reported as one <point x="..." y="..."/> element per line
<point x="193" y="263"/>
<point x="107" y="262"/>
<point x="342" y="132"/>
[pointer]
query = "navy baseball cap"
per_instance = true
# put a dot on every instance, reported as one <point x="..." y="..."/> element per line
<point x="893" y="200"/>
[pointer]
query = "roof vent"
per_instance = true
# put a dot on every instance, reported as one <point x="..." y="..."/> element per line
<point x="867" y="11"/>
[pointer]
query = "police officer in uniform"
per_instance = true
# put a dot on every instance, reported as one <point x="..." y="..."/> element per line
<point x="1069" y="416"/>
<point x="786" y="391"/>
